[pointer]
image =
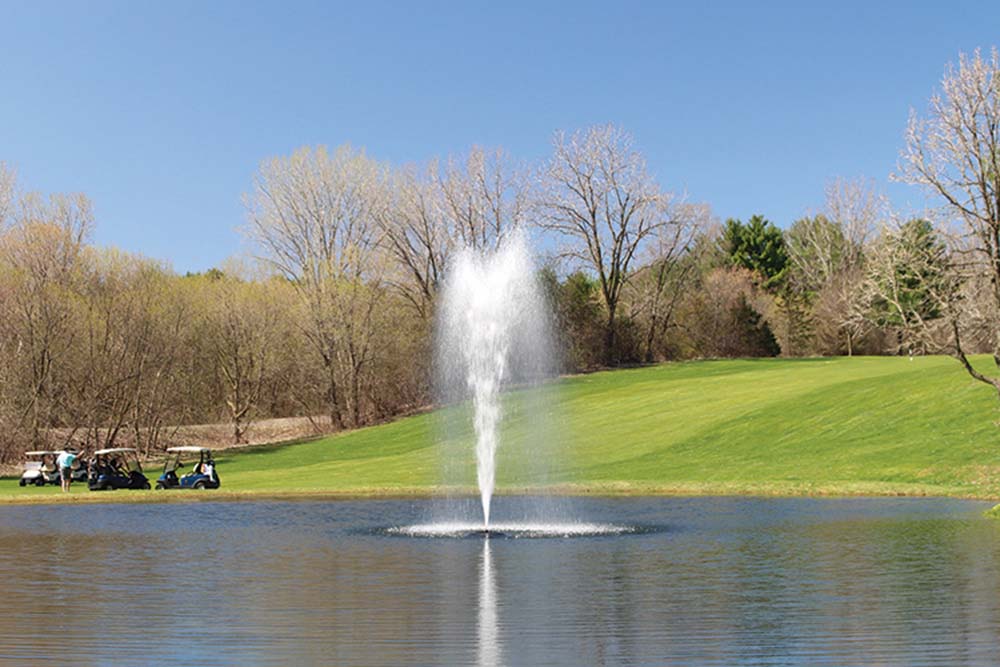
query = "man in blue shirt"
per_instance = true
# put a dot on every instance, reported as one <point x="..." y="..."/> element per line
<point x="65" y="463"/>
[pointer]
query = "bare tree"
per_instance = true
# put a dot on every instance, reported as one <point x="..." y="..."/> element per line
<point x="910" y="286"/>
<point x="483" y="195"/>
<point x="858" y="207"/>
<point x="826" y="252"/>
<point x="164" y="393"/>
<point x="472" y="201"/>
<point x="600" y="197"/>
<point x="101" y="347"/>
<point x="129" y="335"/>
<point x="418" y="238"/>
<point x="833" y="241"/>
<point x="313" y="215"/>
<point x="41" y="259"/>
<point x="243" y="327"/>
<point x="955" y="154"/>
<point x="8" y="189"/>
<point x="841" y="324"/>
<point x="655" y="290"/>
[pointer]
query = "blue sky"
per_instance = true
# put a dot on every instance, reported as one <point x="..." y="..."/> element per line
<point x="161" y="112"/>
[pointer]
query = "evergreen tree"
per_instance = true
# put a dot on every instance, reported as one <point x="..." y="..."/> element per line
<point x="758" y="246"/>
<point x="757" y="339"/>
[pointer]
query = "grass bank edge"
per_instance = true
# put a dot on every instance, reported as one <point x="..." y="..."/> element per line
<point x="767" y="490"/>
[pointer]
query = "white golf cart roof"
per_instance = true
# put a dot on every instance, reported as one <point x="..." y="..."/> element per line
<point x="188" y="449"/>
<point x="115" y="450"/>
<point x="43" y="452"/>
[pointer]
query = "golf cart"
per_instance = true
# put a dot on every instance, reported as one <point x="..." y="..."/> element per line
<point x="116" y="468"/>
<point x="202" y="475"/>
<point x="42" y="468"/>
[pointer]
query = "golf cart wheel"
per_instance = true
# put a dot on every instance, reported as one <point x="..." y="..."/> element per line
<point x="40" y="481"/>
<point x="200" y="484"/>
<point x="146" y="486"/>
<point x="23" y="482"/>
<point x="160" y="486"/>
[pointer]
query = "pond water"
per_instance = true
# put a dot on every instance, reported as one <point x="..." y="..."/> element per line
<point x="706" y="581"/>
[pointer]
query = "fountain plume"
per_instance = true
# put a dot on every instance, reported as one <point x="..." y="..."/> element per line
<point x="493" y="332"/>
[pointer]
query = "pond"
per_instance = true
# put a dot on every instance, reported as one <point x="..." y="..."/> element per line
<point x="705" y="581"/>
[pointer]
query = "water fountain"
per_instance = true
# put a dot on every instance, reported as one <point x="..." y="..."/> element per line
<point x="492" y="333"/>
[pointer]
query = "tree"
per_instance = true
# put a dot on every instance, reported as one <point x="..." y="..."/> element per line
<point x="472" y="201"/>
<point x="417" y="237"/>
<point x="8" y="183"/>
<point x="817" y="252"/>
<point x="483" y="195"/>
<point x="757" y="246"/>
<point x="955" y="154"/>
<point x="577" y="305"/>
<point x="910" y="282"/>
<point x="826" y="258"/>
<point x="314" y="216"/>
<point x="722" y="318"/>
<point x="656" y="288"/>
<point x="243" y="331"/>
<point x="130" y="333"/>
<point x="856" y="207"/>
<point x="41" y="264"/>
<point x="599" y="196"/>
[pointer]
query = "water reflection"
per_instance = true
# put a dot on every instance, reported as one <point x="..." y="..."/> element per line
<point x="733" y="581"/>
<point x="489" y="639"/>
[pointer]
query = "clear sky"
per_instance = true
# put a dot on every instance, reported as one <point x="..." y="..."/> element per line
<point x="161" y="111"/>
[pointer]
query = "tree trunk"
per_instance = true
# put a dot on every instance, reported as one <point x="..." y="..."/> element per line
<point x="609" y="340"/>
<point x="333" y="397"/>
<point x="356" y="399"/>
<point x="650" y="336"/>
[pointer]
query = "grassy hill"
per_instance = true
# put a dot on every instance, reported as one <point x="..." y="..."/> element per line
<point x="861" y="425"/>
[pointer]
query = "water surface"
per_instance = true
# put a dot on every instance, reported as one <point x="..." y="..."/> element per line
<point x="702" y="581"/>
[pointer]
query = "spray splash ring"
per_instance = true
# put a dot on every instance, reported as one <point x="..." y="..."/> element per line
<point x="512" y="530"/>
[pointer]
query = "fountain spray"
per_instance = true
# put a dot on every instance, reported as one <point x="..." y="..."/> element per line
<point x="493" y="332"/>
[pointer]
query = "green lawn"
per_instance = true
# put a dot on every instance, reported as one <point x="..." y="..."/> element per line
<point x="871" y="425"/>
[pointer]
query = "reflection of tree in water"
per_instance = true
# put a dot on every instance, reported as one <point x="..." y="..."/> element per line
<point x="358" y="602"/>
<point x="911" y="583"/>
<point x="893" y="586"/>
<point x="797" y="581"/>
<point x="765" y="582"/>
<point x="799" y="585"/>
<point x="589" y="594"/>
<point x="90" y="584"/>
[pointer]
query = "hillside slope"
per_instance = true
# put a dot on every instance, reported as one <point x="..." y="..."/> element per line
<point x="858" y="425"/>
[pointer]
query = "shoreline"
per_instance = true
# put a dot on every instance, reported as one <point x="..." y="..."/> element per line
<point x="749" y="490"/>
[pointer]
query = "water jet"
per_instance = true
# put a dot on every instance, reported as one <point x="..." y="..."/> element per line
<point x="492" y="333"/>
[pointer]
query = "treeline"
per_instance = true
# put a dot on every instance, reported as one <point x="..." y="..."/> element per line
<point x="831" y="284"/>
<point x="334" y="317"/>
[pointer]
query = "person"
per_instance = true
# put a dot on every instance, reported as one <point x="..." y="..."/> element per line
<point x="65" y="463"/>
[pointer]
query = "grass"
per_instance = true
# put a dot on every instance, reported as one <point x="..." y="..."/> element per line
<point x="855" y="426"/>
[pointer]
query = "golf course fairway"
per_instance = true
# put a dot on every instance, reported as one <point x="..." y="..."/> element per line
<point x="851" y="426"/>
